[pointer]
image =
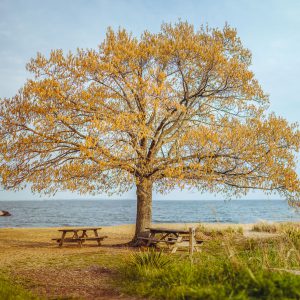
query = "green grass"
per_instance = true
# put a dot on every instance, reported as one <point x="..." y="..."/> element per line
<point x="230" y="267"/>
<point x="9" y="291"/>
<point x="205" y="280"/>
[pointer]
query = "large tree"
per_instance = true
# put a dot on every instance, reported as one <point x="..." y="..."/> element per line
<point x="175" y="108"/>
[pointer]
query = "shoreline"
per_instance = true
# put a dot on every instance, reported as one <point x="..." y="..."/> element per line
<point x="130" y="227"/>
<point x="123" y="233"/>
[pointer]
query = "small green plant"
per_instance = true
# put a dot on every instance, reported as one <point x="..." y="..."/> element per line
<point x="150" y="258"/>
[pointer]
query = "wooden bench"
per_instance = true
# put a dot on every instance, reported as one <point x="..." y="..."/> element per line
<point x="67" y="240"/>
<point x="152" y="241"/>
<point x="77" y="237"/>
<point x="173" y="238"/>
<point x="70" y="240"/>
<point x="101" y="238"/>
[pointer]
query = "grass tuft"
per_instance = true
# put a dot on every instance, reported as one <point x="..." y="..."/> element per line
<point x="149" y="258"/>
<point x="265" y="227"/>
<point x="292" y="233"/>
<point x="203" y="232"/>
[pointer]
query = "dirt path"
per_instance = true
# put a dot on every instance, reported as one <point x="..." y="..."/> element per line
<point x="89" y="283"/>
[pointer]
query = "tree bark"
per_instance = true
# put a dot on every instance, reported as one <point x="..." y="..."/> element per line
<point x="144" y="206"/>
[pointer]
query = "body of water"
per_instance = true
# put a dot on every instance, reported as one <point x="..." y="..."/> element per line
<point x="56" y="213"/>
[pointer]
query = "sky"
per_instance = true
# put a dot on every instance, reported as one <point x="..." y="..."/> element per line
<point x="270" y="29"/>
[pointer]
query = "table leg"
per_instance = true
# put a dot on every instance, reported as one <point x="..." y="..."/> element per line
<point x="96" y="235"/>
<point x="174" y="249"/>
<point x="164" y="236"/>
<point x="84" y="234"/>
<point x="62" y="239"/>
<point x="152" y="235"/>
<point x="77" y="237"/>
<point x="178" y="241"/>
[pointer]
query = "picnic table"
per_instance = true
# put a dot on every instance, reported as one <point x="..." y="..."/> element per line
<point x="79" y="235"/>
<point x="173" y="238"/>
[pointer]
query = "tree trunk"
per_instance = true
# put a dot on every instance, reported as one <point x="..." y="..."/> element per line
<point x="144" y="206"/>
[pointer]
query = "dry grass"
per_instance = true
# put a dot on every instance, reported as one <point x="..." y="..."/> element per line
<point x="266" y="227"/>
<point x="31" y="259"/>
<point x="205" y="232"/>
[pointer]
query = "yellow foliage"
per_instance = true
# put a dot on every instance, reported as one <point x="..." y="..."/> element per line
<point x="179" y="107"/>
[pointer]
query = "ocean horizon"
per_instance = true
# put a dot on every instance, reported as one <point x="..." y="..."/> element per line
<point x="103" y="212"/>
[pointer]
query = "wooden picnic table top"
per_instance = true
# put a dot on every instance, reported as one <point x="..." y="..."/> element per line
<point x="168" y="230"/>
<point x="79" y="229"/>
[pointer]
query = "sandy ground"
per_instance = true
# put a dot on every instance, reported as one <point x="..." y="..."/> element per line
<point x="34" y="260"/>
